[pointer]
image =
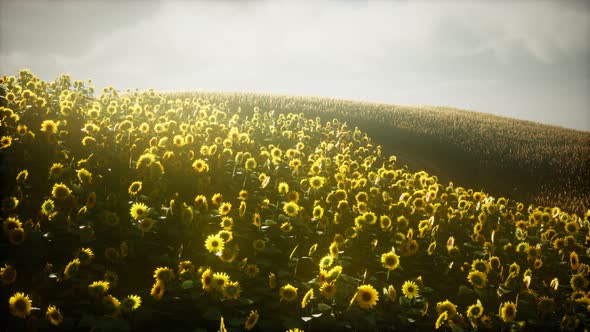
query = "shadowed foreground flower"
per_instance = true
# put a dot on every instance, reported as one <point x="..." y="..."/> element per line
<point x="54" y="315"/>
<point x="366" y="296"/>
<point x="20" y="305"/>
<point x="251" y="320"/>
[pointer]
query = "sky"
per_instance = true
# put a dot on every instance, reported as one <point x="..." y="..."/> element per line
<point x="525" y="59"/>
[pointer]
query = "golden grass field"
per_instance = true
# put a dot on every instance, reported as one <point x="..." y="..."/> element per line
<point x="140" y="211"/>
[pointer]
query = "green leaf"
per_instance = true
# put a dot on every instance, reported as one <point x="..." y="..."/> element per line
<point x="188" y="284"/>
<point x="323" y="307"/>
<point x="269" y="222"/>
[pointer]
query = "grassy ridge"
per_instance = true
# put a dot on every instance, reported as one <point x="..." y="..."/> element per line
<point x="532" y="162"/>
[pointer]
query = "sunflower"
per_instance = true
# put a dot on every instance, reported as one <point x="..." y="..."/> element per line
<point x="477" y="279"/>
<point x="390" y="261"/>
<point x="446" y="306"/>
<point x="306" y="298"/>
<point x="138" y="211"/>
<point x="366" y="296"/>
<point x="481" y="266"/>
<point x="220" y="279"/>
<point x="328" y="289"/>
<point x="410" y="289"/>
<point x="207" y="280"/>
<point x="442" y="319"/>
<point x="546" y="305"/>
<point x="20" y="305"/>
<point x="135" y="188"/>
<point x="60" y="191"/>
<point x="130" y="303"/>
<point x="214" y="243"/>
<point x="227" y="223"/>
<point x="146" y="224"/>
<point x="475" y="310"/>
<point x="507" y="311"/>
<point x="272" y="280"/>
<point x="283" y="187"/>
<point x="56" y="170"/>
<point x="250" y="164"/>
<point x="317" y="182"/>
<point x="231" y="290"/>
<point x="8" y="274"/>
<point x="49" y="126"/>
<point x="251" y="320"/>
<point x="5" y="142"/>
<point x="286" y="227"/>
<point x="72" y="268"/>
<point x="578" y="282"/>
<point x="54" y="315"/>
<point x="164" y="274"/>
<point x="225" y="208"/>
<point x="252" y="270"/>
<point x="318" y="212"/>
<point x="288" y="293"/>
<point x="16" y="236"/>
<point x="326" y="262"/>
<point x="98" y="288"/>
<point x="47" y="207"/>
<point x="200" y="166"/>
<point x="291" y="209"/>
<point x="11" y="223"/>
<point x="259" y="244"/>
<point x="85" y="255"/>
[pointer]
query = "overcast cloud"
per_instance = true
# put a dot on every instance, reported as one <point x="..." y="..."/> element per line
<point x="529" y="60"/>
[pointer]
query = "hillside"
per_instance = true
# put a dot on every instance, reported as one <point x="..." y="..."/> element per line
<point x="144" y="212"/>
<point x="531" y="162"/>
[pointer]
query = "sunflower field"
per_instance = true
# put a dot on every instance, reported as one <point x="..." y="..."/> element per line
<point x="143" y="211"/>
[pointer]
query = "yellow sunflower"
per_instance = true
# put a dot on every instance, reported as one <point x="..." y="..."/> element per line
<point x="231" y="290"/>
<point x="390" y="261"/>
<point x="60" y="191"/>
<point x="98" y="288"/>
<point x="288" y="293"/>
<point x="20" y="305"/>
<point x="508" y="311"/>
<point x="207" y="280"/>
<point x="251" y="320"/>
<point x="477" y="279"/>
<point x="366" y="296"/>
<point x="225" y="208"/>
<point x="200" y="166"/>
<point x="410" y="289"/>
<point x="291" y="209"/>
<point x="54" y="315"/>
<point x="164" y="274"/>
<point x="138" y="211"/>
<point x="214" y="243"/>
<point x="306" y="298"/>
<point x="8" y="274"/>
<point x="475" y="310"/>
<point x="317" y="182"/>
<point x="135" y="187"/>
<point x="130" y="303"/>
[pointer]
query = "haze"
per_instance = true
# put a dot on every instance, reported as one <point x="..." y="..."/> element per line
<point x="529" y="60"/>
